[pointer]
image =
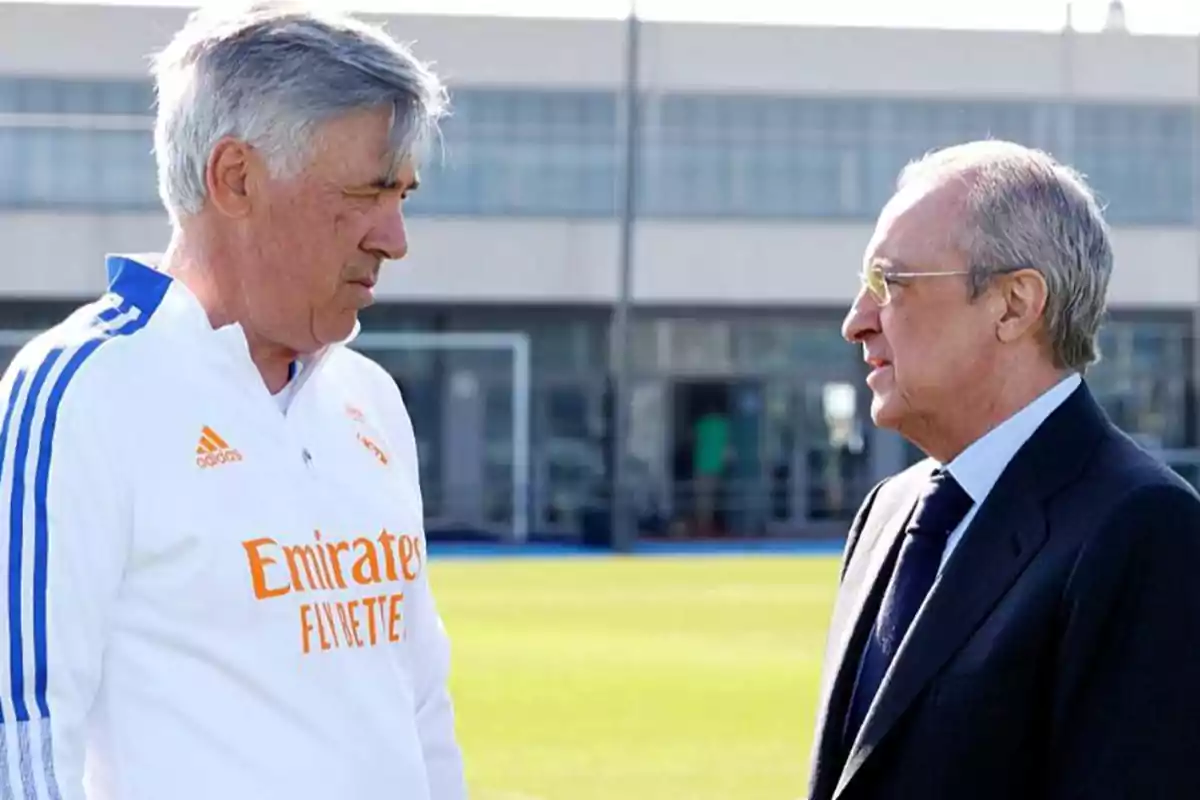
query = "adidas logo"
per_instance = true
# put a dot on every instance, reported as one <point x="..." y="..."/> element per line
<point x="213" y="451"/>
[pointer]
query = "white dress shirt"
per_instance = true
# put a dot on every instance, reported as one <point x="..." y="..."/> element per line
<point x="979" y="466"/>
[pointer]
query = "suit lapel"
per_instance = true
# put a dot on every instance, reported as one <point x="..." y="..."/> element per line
<point x="1004" y="537"/>
<point x="1008" y="530"/>
<point x="863" y="587"/>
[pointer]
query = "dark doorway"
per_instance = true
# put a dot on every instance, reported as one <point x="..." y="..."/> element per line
<point x="703" y="458"/>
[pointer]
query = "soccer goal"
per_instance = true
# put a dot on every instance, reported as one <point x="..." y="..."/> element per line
<point x="458" y="404"/>
<point x="475" y="467"/>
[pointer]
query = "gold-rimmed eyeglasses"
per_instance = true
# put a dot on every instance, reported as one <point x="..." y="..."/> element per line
<point x="878" y="280"/>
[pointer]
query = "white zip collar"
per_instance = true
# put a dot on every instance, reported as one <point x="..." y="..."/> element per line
<point x="135" y="279"/>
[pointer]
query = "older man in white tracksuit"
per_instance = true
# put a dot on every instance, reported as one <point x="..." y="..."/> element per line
<point x="214" y="571"/>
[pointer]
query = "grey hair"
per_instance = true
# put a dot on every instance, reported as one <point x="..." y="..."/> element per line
<point x="270" y="74"/>
<point x="1025" y="210"/>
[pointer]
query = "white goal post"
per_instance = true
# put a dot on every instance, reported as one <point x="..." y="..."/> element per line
<point x="517" y="344"/>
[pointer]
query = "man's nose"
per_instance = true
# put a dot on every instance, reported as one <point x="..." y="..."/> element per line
<point x="389" y="236"/>
<point x="862" y="319"/>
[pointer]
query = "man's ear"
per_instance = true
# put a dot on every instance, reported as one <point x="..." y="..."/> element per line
<point x="227" y="177"/>
<point x="1024" y="295"/>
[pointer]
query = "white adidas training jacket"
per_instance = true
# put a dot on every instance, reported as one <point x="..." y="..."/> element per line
<point x="205" y="598"/>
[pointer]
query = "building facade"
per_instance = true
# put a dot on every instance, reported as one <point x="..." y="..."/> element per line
<point x="766" y="153"/>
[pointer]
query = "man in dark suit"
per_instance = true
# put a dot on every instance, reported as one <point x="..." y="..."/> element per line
<point x="1019" y="614"/>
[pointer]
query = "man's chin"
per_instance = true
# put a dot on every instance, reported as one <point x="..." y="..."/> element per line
<point x="337" y="330"/>
<point x="884" y="412"/>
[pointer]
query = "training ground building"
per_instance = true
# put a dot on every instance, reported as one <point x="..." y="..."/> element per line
<point x="766" y="153"/>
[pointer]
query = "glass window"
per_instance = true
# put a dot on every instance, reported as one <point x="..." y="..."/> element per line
<point x="9" y="91"/>
<point x="7" y="354"/>
<point x="564" y="348"/>
<point x="55" y="167"/>
<point x="569" y="442"/>
<point x="525" y="152"/>
<point x="905" y="130"/>
<point x="498" y="451"/>
<point x="36" y="95"/>
<point x="1139" y="159"/>
<point x="807" y="157"/>
<point x="11" y="179"/>
<point x="558" y="153"/>
<point x="698" y="346"/>
<point x="782" y="447"/>
<point x="417" y="374"/>
<point x="1141" y="380"/>
<point x="785" y="347"/>
<point x="649" y="471"/>
<point x="837" y="463"/>
<point x="127" y="97"/>
<point x="647" y="345"/>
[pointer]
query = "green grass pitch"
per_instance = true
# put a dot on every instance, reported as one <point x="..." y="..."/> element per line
<point x="644" y="678"/>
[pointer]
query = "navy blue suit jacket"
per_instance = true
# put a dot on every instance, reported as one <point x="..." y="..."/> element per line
<point x="1058" y="655"/>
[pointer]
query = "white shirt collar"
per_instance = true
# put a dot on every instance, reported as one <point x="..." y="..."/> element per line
<point x="181" y="299"/>
<point x="979" y="466"/>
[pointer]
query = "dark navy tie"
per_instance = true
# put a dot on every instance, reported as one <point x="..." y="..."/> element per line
<point x="942" y="506"/>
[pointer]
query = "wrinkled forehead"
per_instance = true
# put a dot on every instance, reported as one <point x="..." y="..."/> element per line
<point x="918" y="226"/>
<point x="402" y="169"/>
<point x="408" y="144"/>
<point x="366" y="141"/>
<point x="399" y="159"/>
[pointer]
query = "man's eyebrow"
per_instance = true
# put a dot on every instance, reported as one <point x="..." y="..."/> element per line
<point x="389" y="182"/>
<point x="887" y="264"/>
